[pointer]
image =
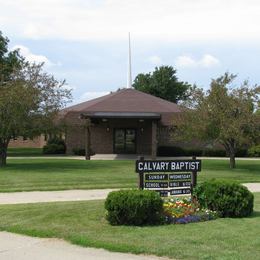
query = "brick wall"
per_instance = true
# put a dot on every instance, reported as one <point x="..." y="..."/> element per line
<point x="37" y="142"/>
<point x="102" y="135"/>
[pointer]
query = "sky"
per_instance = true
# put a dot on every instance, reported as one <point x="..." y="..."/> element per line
<point x="86" y="41"/>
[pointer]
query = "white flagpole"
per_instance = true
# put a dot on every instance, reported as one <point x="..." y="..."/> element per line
<point x="129" y="76"/>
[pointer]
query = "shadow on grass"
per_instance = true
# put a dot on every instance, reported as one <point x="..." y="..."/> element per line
<point x="256" y="214"/>
<point x="14" y="152"/>
<point x="57" y="165"/>
<point x="220" y="165"/>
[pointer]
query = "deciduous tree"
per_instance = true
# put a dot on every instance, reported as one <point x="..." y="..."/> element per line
<point x="162" y="83"/>
<point x="29" y="98"/>
<point x="223" y="114"/>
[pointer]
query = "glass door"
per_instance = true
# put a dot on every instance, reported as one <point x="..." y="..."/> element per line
<point x="124" y="140"/>
<point x="129" y="140"/>
<point x="119" y="141"/>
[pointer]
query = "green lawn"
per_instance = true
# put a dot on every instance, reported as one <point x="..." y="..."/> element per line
<point x="61" y="174"/>
<point x="24" y="152"/>
<point x="84" y="223"/>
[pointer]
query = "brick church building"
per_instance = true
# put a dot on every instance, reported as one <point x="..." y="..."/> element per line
<point x="124" y="122"/>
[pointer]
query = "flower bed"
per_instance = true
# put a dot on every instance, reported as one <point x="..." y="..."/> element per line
<point x="183" y="211"/>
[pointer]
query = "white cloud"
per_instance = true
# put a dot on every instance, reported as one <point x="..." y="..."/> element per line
<point x="155" y="60"/>
<point x="174" y="20"/>
<point x="31" y="57"/>
<point x="91" y="95"/>
<point x="207" y="61"/>
<point x="185" y="61"/>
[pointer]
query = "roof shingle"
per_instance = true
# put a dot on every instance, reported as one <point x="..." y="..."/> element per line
<point x="126" y="100"/>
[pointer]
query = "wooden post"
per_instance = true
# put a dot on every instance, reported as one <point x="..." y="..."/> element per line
<point x="87" y="139"/>
<point x="141" y="176"/>
<point x="154" y="140"/>
<point x="193" y="178"/>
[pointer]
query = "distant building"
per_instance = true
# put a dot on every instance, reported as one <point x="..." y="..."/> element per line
<point x="21" y="142"/>
<point x="123" y="122"/>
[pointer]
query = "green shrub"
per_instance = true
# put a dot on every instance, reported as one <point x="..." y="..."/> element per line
<point x="81" y="151"/>
<point x="179" y="151"/>
<point x="229" y="199"/>
<point x="54" y="149"/>
<point x="55" y="145"/>
<point x="134" y="207"/>
<point x="241" y="152"/>
<point x="193" y="152"/>
<point x="56" y="140"/>
<point x="214" y="153"/>
<point x="254" y="151"/>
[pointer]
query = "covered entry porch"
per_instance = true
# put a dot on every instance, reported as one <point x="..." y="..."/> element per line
<point x="124" y="140"/>
<point x="121" y="133"/>
<point x="124" y="121"/>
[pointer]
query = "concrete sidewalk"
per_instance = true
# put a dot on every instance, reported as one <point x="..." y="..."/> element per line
<point x="13" y="246"/>
<point x="18" y="247"/>
<point x="51" y="196"/>
<point x="70" y="195"/>
<point x="253" y="187"/>
<point x="126" y="157"/>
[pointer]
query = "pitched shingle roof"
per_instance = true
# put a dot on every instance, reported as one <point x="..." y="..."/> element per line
<point x="126" y="100"/>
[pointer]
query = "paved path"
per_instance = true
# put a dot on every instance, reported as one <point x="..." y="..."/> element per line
<point x="18" y="247"/>
<point x="51" y="196"/>
<point x="254" y="187"/>
<point x="125" y="157"/>
<point x="13" y="246"/>
<point x="70" y="195"/>
<point x="135" y="157"/>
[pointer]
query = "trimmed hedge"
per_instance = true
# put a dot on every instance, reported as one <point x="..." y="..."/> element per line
<point x="56" y="140"/>
<point x="179" y="151"/>
<point x="81" y="151"/>
<point x="229" y="199"/>
<point x="55" y="145"/>
<point x="254" y="151"/>
<point x="134" y="207"/>
<point x="53" y="149"/>
<point x="172" y="151"/>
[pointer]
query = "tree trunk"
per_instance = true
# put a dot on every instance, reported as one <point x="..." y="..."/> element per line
<point x="230" y="148"/>
<point x="87" y="139"/>
<point x="87" y="144"/>
<point x="3" y="153"/>
<point x="232" y="160"/>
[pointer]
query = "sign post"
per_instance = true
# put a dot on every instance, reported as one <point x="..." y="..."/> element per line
<point x="168" y="177"/>
<point x="193" y="178"/>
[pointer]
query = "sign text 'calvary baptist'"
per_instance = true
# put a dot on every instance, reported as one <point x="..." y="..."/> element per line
<point x="169" y="178"/>
<point x="168" y="166"/>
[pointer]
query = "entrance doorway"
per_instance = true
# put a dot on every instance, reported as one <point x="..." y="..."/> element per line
<point x="124" y="140"/>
